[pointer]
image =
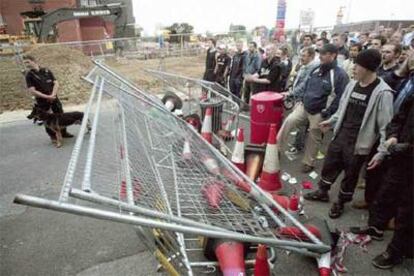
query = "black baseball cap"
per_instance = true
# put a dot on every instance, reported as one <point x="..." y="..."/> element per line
<point x="329" y="48"/>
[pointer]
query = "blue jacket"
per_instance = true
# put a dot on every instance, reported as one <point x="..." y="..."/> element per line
<point x="319" y="87"/>
<point x="252" y="63"/>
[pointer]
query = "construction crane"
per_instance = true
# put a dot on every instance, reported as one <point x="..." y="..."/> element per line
<point x="41" y="24"/>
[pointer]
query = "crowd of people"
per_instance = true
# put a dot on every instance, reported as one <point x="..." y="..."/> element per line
<point x="362" y="89"/>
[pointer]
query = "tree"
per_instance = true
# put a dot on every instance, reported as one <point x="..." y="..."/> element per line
<point x="180" y="28"/>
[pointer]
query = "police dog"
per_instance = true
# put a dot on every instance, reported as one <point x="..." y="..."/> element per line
<point x="58" y="121"/>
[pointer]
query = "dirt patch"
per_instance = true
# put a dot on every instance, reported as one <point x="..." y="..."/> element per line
<point x="134" y="70"/>
<point x="70" y="65"/>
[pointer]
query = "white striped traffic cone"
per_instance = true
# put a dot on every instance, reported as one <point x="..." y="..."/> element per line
<point x="238" y="152"/>
<point x="225" y="133"/>
<point x="270" y="178"/>
<point x="324" y="264"/>
<point x="206" y="130"/>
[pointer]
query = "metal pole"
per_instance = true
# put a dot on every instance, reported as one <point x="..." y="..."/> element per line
<point x="130" y="193"/>
<point x="95" y="198"/>
<point x="133" y="220"/>
<point x="86" y="183"/>
<point x="67" y="182"/>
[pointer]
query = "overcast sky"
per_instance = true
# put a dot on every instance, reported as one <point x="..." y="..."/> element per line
<point x="217" y="15"/>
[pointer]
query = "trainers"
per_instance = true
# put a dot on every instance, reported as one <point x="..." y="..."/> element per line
<point x="320" y="155"/>
<point x="318" y="195"/>
<point x="361" y="184"/>
<point x="391" y="224"/>
<point x="386" y="260"/>
<point x="337" y="210"/>
<point x="361" y="204"/>
<point x="307" y="168"/>
<point x="293" y="150"/>
<point x="375" y="233"/>
<point x="67" y="135"/>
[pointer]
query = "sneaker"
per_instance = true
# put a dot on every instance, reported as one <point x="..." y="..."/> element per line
<point x="375" y="233"/>
<point x="386" y="260"/>
<point x="337" y="210"/>
<point x="293" y="151"/>
<point x="361" y="184"/>
<point x="361" y="204"/>
<point x="391" y="224"/>
<point x="318" y="195"/>
<point x="67" y="135"/>
<point x="320" y="155"/>
<point x="307" y="168"/>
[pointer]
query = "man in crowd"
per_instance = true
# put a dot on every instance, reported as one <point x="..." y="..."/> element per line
<point x="339" y="42"/>
<point x="405" y="52"/>
<point x="349" y="64"/>
<point x="402" y="83"/>
<point x="222" y="66"/>
<point x="236" y="70"/>
<point x="286" y="64"/>
<point x="377" y="42"/>
<point x="307" y="65"/>
<point x="409" y="36"/>
<point x="321" y="96"/>
<point x="252" y="62"/>
<point x="395" y="197"/>
<point x="365" y="110"/>
<point x="270" y="73"/>
<point x="390" y="54"/>
<point x="307" y="41"/>
<point x="364" y="40"/>
<point x="42" y="84"/>
<point x="318" y="46"/>
<point x="210" y="61"/>
<point x="396" y="38"/>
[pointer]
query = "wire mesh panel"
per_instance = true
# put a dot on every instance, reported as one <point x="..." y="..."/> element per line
<point x="154" y="170"/>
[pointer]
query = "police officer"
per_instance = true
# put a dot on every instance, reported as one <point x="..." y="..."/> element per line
<point x="41" y="83"/>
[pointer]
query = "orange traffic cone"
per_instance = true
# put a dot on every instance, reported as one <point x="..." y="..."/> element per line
<point x="238" y="153"/>
<point x="261" y="266"/>
<point x="213" y="192"/>
<point x="283" y="201"/>
<point x="206" y="130"/>
<point x="294" y="205"/>
<point x="269" y="179"/>
<point x="225" y="133"/>
<point x="230" y="256"/>
<point x="293" y="232"/>
<point x="324" y="264"/>
<point x="186" y="150"/>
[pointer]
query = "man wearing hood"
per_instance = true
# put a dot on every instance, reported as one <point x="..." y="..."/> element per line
<point x="365" y="110"/>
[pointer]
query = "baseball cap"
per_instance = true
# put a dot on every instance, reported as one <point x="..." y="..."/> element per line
<point x="329" y="48"/>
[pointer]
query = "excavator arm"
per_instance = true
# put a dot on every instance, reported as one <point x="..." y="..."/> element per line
<point x="113" y="11"/>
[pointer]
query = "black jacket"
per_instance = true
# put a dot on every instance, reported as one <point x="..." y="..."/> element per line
<point x="402" y="127"/>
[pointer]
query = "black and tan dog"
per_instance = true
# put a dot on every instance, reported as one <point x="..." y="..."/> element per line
<point x="58" y="121"/>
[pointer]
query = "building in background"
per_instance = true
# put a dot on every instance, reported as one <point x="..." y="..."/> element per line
<point x="22" y="17"/>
